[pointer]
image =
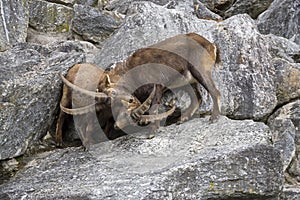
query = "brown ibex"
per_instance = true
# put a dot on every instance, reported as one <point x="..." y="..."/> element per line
<point x="185" y="59"/>
<point x="80" y="91"/>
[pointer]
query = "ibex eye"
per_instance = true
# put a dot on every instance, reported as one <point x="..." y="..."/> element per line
<point x="131" y="100"/>
<point x="113" y="92"/>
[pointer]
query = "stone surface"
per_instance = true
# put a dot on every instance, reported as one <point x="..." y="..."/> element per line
<point x="30" y="89"/>
<point x="56" y="17"/>
<point x="204" y="13"/>
<point x="13" y="23"/>
<point x="43" y="38"/>
<point x="290" y="193"/>
<point x="282" y="19"/>
<point x="285" y="125"/>
<point x="122" y="6"/>
<point x="92" y="24"/>
<point x="228" y="8"/>
<point x="287" y="80"/>
<point x="195" y="160"/>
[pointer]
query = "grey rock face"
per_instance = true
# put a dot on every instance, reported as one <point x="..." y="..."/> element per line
<point x="30" y="88"/>
<point x="13" y="23"/>
<point x="204" y="13"/>
<point x="190" y="161"/>
<point x="247" y="77"/>
<point x="287" y="80"/>
<point x="290" y="193"/>
<point x="285" y="124"/>
<point x="122" y="6"/>
<point x="92" y="24"/>
<point x="228" y="8"/>
<point x="49" y="17"/>
<point x="282" y="19"/>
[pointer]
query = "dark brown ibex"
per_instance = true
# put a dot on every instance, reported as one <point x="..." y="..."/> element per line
<point x="185" y="59"/>
<point x="80" y="91"/>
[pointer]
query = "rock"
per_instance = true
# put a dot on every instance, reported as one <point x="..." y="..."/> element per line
<point x="92" y="24"/>
<point x="283" y="48"/>
<point x="45" y="38"/>
<point x="121" y="6"/>
<point x="92" y="3"/>
<point x="228" y="8"/>
<point x="285" y="125"/>
<point x="30" y="89"/>
<point x="246" y="77"/>
<point x="287" y="80"/>
<point x="290" y="193"/>
<point x="13" y="23"/>
<point x="247" y="74"/>
<point x="204" y="13"/>
<point x="56" y="18"/>
<point x="195" y="160"/>
<point x="285" y="59"/>
<point x="282" y="19"/>
<point x="188" y="6"/>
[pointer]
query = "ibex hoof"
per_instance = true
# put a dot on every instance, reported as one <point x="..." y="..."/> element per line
<point x="59" y="144"/>
<point x="151" y="136"/>
<point x="85" y="148"/>
<point x="86" y="145"/>
<point x="182" y="119"/>
<point x="213" y="119"/>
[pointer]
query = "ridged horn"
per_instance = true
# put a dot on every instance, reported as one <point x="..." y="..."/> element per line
<point x="81" y="90"/>
<point x="151" y="118"/>
<point x="145" y="106"/>
<point x="78" y="111"/>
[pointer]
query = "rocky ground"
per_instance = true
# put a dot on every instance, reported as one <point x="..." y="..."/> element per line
<point x="252" y="152"/>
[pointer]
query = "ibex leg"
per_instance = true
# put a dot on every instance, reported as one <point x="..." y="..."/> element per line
<point x="196" y="100"/>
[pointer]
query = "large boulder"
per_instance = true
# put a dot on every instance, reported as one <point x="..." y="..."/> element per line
<point x="282" y="19"/>
<point x="285" y="125"/>
<point x="92" y="24"/>
<point x="13" y="23"/>
<point x="122" y="6"/>
<point x="195" y="160"/>
<point x="228" y="8"/>
<point x="56" y="18"/>
<point x="30" y="89"/>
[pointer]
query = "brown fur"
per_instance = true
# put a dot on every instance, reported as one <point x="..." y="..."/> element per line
<point x="86" y="76"/>
<point x="174" y="53"/>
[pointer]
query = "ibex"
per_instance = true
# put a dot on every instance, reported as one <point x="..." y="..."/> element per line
<point x="181" y="60"/>
<point x="80" y="91"/>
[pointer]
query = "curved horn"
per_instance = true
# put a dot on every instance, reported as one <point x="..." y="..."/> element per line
<point x="136" y="113"/>
<point x="83" y="91"/>
<point x="123" y="121"/>
<point x="151" y="118"/>
<point x="78" y="111"/>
